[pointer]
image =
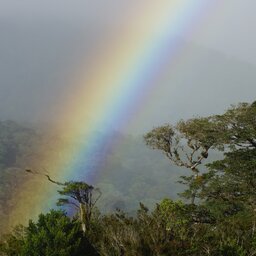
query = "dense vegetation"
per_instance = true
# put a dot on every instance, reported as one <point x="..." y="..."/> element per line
<point x="216" y="216"/>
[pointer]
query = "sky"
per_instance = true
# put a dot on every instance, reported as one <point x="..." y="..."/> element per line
<point x="43" y="44"/>
<point x="231" y="29"/>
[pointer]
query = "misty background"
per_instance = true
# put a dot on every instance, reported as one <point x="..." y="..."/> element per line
<point x="43" y="42"/>
<point x="42" y="45"/>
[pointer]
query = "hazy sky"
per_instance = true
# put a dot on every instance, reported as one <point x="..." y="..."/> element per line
<point x="43" y="40"/>
<point x="231" y="28"/>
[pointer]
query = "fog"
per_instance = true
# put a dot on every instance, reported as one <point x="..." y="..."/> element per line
<point x="43" y="42"/>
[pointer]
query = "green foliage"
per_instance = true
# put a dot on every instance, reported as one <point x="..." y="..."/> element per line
<point x="80" y="195"/>
<point x="160" y="232"/>
<point x="12" y="244"/>
<point x="187" y="144"/>
<point x="224" y="188"/>
<point x="53" y="234"/>
<point x="237" y="125"/>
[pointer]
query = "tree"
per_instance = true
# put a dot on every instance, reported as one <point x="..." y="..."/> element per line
<point x="12" y="244"/>
<point x="237" y="127"/>
<point x="81" y="193"/>
<point x="186" y="145"/>
<point x="234" y="177"/>
<point x="78" y="194"/>
<point x="226" y="188"/>
<point x="54" y="234"/>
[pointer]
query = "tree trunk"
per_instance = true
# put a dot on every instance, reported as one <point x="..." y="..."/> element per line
<point x="82" y="217"/>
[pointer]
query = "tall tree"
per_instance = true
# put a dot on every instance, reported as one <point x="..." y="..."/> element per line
<point x="77" y="194"/>
<point x="186" y="144"/>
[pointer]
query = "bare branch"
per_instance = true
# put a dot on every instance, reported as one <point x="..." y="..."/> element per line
<point x="46" y="175"/>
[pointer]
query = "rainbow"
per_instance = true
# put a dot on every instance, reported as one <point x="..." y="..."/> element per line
<point x="115" y="85"/>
